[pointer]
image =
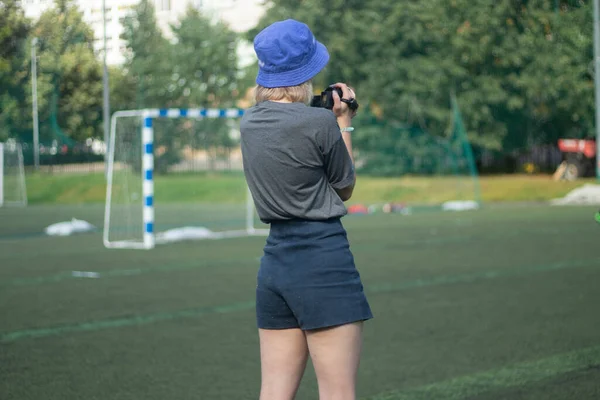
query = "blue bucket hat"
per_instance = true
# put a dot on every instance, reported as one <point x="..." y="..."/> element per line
<point x="288" y="54"/>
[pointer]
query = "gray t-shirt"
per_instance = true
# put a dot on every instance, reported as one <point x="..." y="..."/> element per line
<point x="294" y="157"/>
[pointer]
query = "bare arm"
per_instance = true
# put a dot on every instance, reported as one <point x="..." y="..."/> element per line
<point x="344" y="119"/>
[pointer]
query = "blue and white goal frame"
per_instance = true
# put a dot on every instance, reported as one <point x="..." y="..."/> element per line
<point x="148" y="239"/>
<point x="12" y="170"/>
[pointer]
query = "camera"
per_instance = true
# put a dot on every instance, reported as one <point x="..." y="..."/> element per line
<point x="325" y="99"/>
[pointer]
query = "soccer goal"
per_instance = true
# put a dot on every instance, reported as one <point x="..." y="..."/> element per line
<point x="176" y="174"/>
<point x="12" y="175"/>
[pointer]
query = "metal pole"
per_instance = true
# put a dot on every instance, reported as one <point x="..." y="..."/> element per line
<point x="105" y="94"/>
<point x="36" y="131"/>
<point x="597" y="80"/>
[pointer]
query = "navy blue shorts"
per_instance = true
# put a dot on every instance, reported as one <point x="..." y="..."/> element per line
<point x="307" y="278"/>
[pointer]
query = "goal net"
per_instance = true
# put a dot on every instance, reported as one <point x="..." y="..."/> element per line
<point x="435" y="168"/>
<point x="176" y="174"/>
<point x="12" y="175"/>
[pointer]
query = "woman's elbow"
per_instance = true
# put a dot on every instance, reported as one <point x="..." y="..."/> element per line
<point x="345" y="193"/>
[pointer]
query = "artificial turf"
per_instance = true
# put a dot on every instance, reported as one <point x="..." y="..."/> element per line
<point x="500" y="303"/>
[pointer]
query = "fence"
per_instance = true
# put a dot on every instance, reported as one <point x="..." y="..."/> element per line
<point x="538" y="159"/>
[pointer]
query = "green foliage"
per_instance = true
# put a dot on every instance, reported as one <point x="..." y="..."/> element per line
<point x="520" y="69"/>
<point x="197" y="69"/>
<point x="204" y="62"/>
<point x="387" y="148"/>
<point x="122" y="87"/>
<point x="69" y="76"/>
<point x="148" y="61"/>
<point x="14" y="29"/>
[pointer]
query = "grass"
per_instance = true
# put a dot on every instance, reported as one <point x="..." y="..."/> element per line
<point x="229" y="188"/>
<point x="488" y="305"/>
<point x="527" y="188"/>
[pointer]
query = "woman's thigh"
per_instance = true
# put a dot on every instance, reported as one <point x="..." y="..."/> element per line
<point x="283" y="356"/>
<point x="335" y="354"/>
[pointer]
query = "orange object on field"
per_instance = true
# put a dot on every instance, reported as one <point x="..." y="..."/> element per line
<point x="358" y="209"/>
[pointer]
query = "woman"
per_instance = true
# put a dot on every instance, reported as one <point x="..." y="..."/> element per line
<point x="299" y="167"/>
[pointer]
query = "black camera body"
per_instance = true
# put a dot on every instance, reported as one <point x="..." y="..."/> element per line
<point x="325" y="99"/>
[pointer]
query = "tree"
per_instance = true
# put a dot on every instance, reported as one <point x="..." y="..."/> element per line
<point x="204" y="62"/>
<point x="518" y="68"/>
<point x="122" y="88"/>
<point x="14" y="60"/>
<point x="148" y="61"/>
<point x="205" y="73"/>
<point x="197" y="69"/>
<point x="558" y="83"/>
<point x="69" y="76"/>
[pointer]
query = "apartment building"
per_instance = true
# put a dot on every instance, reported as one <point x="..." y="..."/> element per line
<point x="240" y="15"/>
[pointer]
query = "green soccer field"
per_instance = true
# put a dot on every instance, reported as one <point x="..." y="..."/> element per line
<point x="501" y="303"/>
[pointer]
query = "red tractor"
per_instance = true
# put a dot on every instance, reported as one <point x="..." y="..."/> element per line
<point x="579" y="159"/>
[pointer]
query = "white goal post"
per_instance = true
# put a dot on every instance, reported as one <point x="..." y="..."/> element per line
<point x="12" y="175"/>
<point x="144" y="236"/>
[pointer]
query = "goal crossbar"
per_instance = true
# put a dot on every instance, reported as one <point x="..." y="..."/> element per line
<point x="147" y="116"/>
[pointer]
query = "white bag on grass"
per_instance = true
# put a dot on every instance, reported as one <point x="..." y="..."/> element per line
<point x="68" y="228"/>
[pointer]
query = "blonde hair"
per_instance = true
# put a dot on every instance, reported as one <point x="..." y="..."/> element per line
<point x="302" y="93"/>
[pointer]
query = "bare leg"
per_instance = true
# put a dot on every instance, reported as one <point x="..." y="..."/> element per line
<point x="335" y="353"/>
<point x="283" y="355"/>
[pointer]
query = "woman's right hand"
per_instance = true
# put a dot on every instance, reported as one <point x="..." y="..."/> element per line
<point x="341" y="110"/>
